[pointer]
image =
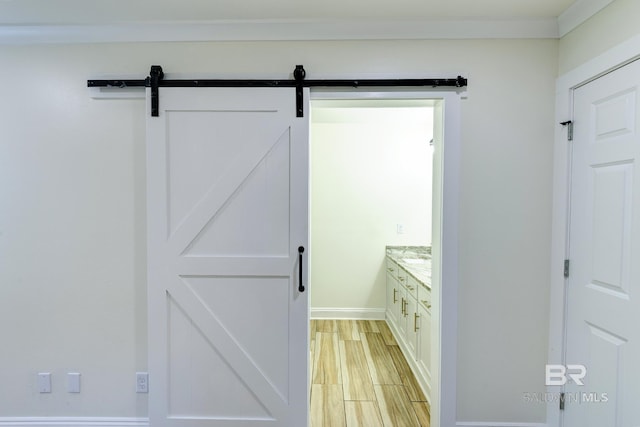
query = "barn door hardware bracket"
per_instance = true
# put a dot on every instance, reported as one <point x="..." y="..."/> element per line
<point x="569" y="125"/>
<point x="155" y="76"/>
<point x="299" y="74"/>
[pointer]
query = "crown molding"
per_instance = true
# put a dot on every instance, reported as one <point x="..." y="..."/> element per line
<point x="267" y="30"/>
<point x="306" y="30"/>
<point x="579" y="12"/>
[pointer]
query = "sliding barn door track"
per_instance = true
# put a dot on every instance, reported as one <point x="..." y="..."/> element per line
<point x="156" y="80"/>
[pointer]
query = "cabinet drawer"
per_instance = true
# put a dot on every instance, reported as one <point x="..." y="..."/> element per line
<point x="403" y="277"/>
<point x="392" y="268"/>
<point x="397" y="272"/>
<point x="412" y="286"/>
<point x="424" y="296"/>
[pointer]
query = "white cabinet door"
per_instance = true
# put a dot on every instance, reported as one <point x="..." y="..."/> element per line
<point x="402" y="319"/>
<point x="227" y="172"/>
<point x="424" y="344"/>
<point x="393" y="299"/>
<point x="412" y="326"/>
<point x="399" y="307"/>
<point x="603" y="309"/>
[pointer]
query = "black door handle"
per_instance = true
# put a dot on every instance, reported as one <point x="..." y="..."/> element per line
<point x="300" y="285"/>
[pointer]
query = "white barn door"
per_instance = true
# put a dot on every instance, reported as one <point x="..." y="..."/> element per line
<point x="603" y="310"/>
<point x="227" y="210"/>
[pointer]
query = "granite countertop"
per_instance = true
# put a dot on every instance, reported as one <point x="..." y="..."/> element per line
<point x="415" y="260"/>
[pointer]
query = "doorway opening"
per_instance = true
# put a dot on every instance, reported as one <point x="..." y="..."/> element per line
<point x="376" y="181"/>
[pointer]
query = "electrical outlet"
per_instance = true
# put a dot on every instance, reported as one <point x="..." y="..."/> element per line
<point x="44" y="382"/>
<point x="399" y="229"/>
<point x="142" y="382"/>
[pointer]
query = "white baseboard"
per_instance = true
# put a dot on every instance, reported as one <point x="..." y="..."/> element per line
<point x="347" y="313"/>
<point x="489" y="424"/>
<point x="73" y="422"/>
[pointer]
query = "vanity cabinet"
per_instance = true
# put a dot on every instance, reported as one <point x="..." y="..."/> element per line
<point x="408" y="314"/>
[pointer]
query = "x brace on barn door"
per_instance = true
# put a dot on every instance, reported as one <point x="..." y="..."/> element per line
<point x="156" y="80"/>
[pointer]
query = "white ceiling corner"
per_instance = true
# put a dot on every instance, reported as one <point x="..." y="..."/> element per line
<point x="579" y="12"/>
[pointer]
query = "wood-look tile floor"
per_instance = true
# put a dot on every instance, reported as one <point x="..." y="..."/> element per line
<point x="359" y="377"/>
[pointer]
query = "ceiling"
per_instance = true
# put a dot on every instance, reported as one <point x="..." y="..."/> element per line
<point x="105" y="12"/>
<point x="97" y="21"/>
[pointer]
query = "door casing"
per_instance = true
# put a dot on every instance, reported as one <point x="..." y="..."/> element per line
<point x="611" y="60"/>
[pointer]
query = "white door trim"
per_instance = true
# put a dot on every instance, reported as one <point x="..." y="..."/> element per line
<point x="610" y="60"/>
<point x="443" y="399"/>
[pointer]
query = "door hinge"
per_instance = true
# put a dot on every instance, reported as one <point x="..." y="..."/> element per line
<point x="566" y="268"/>
<point x="569" y="125"/>
<point x="562" y="401"/>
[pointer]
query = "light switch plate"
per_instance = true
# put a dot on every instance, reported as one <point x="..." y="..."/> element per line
<point x="73" y="382"/>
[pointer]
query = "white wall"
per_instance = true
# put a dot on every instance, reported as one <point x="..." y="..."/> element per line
<point x="72" y="240"/>
<point x="72" y="252"/>
<point x="618" y="22"/>
<point x="370" y="170"/>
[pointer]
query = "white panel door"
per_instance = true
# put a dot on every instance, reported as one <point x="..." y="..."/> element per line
<point x="227" y="172"/>
<point x="603" y="310"/>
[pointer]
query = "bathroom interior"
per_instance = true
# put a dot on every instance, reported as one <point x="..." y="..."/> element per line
<point x="371" y="176"/>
